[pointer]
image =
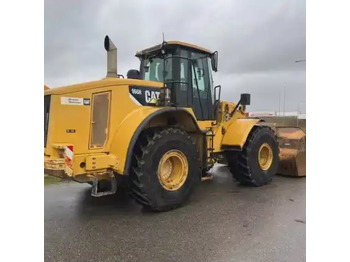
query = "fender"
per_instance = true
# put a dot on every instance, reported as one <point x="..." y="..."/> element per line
<point x="128" y="132"/>
<point x="237" y="132"/>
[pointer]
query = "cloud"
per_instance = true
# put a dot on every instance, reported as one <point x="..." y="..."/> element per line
<point x="258" y="41"/>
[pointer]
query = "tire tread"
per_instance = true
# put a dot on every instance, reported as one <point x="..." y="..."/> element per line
<point x="150" y="136"/>
<point x="239" y="164"/>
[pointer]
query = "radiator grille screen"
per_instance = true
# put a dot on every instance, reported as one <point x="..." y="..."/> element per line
<point x="100" y="116"/>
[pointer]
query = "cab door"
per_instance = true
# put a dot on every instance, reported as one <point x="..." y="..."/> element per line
<point x="190" y="81"/>
<point x="201" y="80"/>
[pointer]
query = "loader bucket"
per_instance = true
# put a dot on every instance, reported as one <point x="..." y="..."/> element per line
<point x="292" y="142"/>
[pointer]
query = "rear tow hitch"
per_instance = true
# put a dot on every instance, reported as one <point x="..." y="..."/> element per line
<point x="95" y="187"/>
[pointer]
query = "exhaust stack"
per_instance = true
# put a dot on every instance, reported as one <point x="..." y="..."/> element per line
<point x="111" y="57"/>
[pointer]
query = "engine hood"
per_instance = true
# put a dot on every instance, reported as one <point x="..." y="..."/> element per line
<point x="99" y="84"/>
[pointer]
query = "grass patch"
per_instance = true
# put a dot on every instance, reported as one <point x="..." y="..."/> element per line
<point x="49" y="180"/>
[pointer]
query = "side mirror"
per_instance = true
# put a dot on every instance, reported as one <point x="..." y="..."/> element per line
<point x="217" y="93"/>
<point x="133" y="74"/>
<point x="214" y="61"/>
<point x="245" y="99"/>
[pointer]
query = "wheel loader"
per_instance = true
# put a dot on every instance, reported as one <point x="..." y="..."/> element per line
<point x="161" y="128"/>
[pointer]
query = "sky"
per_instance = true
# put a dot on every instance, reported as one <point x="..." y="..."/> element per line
<point x="258" y="42"/>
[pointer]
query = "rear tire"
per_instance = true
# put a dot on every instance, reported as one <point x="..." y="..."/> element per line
<point x="245" y="166"/>
<point x="145" y="181"/>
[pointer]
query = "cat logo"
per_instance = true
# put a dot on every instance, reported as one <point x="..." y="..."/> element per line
<point x="143" y="96"/>
<point x="151" y="97"/>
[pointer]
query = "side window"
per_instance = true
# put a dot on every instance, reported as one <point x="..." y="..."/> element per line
<point x="168" y="71"/>
<point x="147" y="70"/>
<point x="184" y="75"/>
<point x="154" y="70"/>
<point x="202" y="86"/>
<point x="181" y="82"/>
<point x="158" y="72"/>
<point x="211" y="81"/>
<point x="199" y="78"/>
<point x="182" y="71"/>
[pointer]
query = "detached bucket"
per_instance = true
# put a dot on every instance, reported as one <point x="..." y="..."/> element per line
<point x="292" y="142"/>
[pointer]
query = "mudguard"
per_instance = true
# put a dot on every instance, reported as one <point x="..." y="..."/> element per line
<point x="131" y="127"/>
<point x="236" y="133"/>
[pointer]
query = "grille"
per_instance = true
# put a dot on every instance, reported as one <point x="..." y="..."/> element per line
<point x="47" y="100"/>
<point x="100" y="116"/>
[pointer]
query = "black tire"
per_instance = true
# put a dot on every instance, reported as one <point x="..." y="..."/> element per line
<point x="244" y="165"/>
<point x="144" y="182"/>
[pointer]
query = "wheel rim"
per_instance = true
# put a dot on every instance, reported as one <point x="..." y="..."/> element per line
<point x="265" y="156"/>
<point x="173" y="170"/>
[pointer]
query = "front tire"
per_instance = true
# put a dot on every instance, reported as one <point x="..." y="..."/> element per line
<point x="256" y="164"/>
<point x="165" y="169"/>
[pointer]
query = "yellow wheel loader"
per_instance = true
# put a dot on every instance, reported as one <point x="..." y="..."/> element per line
<point x="161" y="128"/>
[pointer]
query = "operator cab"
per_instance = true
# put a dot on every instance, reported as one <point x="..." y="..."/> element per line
<point x="186" y="70"/>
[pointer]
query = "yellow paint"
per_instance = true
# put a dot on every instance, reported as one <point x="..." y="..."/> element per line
<point x="125" y="117"/>
<point x="125" y="114"/>
<point x="120" y="140"/>
<point x="100" y="84"/>
<point x="189" y="45"/>
<point x="265" y="156"/>
<point x="173" y="170"/>
<point x="102" y="161"/>
<point x="237" y="131"/>
<point x="157" y="47"/>
<point x="229" y="131"/>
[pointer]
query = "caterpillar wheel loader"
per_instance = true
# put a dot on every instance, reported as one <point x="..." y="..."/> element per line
<point x="161" y="128"/>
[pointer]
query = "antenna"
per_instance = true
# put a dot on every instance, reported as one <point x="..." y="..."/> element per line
<point x="163" y="37"/>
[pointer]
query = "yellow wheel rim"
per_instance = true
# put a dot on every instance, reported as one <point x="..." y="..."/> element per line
<point x="173" y="170"/>
<point x="265" y="156"/>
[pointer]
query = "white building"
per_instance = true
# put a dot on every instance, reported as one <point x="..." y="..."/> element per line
<point x="275" y="113"/>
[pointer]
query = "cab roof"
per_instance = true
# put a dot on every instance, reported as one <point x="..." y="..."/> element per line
<point x="172" y="43"/>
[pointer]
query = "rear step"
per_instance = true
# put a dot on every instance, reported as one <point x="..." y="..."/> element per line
<point x="96" y="193"/>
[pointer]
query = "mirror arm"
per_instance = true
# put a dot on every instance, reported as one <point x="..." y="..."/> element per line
<point x="218" y="86"/>
<point x="216" y="104"/>
<point x="235" y="109"/>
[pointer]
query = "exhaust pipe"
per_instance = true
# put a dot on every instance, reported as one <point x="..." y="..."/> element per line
<point x="111" y="57"/>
